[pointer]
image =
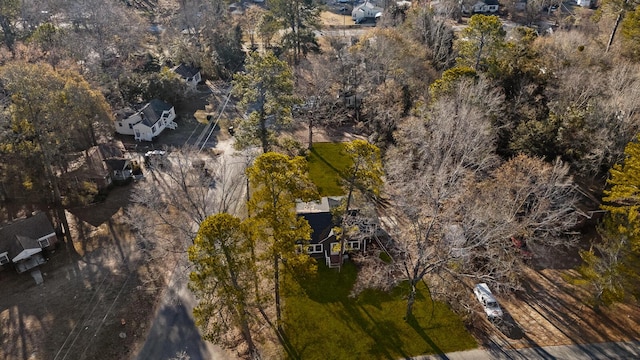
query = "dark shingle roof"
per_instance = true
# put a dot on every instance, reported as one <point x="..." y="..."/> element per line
<point x="24" y="231"/>
<point x="321" y="224"/>
<point x="116" y="164"/>
<point x="186" y="71"/>
<point x="152" y="112"/>
<point x="20" y="244"/>
<point x="491" y="2"/>
<point x="109" y="151"/>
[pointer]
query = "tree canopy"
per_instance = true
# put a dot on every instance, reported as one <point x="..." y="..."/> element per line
<point x="265" y="90"/>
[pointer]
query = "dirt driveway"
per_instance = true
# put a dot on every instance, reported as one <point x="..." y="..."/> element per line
<point x="552" y="312"/>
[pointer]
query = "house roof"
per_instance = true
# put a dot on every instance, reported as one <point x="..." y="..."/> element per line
<point x="22" y="234"/>
<point x="117" y="164"/>
<point x="23" y="247"/>
<point x="124" y="113"/>
<point x="491" y="2"/>
<point x="321" y="224"/>
<point x="93" y="167"/>
<point x="318" y="215"/>
<point x="186" y="71"/>
<point x="111" y="150"/>
<point x="152" y="112"/>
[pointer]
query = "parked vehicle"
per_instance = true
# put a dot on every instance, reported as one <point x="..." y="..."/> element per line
<point x="489" y="303"/>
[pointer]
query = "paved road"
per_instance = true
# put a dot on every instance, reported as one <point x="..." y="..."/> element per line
<point x="173" y="333"/>
<point x="611" y="350"/>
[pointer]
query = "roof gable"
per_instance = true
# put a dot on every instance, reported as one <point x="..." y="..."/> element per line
<point x="321" y="224"/>
<point x="34" y="227"/>
<point x="117" y="164"/>
<point x="152" y="112"/>
<point x="186" y="71"/>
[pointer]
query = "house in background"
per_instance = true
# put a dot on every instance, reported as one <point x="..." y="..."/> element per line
<point x="324" y="243"/>
<point x="88" y="166"/>
<point x="366" y="11"/>
<point x="482" y="7"/>
<point x="584" y="3"/>
<point x="121" y="169"/>
<point x="148" y="122"/>
<point x="119" y="165"/>
<point x="102" y="165"/>
<point x="22" y="242"/>
<point x="191" y="75"/>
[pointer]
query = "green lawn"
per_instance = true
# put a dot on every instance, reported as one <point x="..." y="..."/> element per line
<point x="322" y="322"/>
<point x="326" y="162"/>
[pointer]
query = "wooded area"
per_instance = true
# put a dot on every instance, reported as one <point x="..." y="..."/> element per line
<point x="477" y="133"/>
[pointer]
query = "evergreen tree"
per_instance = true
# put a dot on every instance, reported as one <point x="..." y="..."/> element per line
<point x="277" y="181"/>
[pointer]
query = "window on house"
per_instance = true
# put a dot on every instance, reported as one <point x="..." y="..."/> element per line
<point x="4" y="258"/>
<point x="120" y="124"/>
<point x="355" y="245"/>
<point x="314" y="249"/>
<point x="44" y="243"/>
<point x="131" y="126"/>
<point x="153" y="128"/>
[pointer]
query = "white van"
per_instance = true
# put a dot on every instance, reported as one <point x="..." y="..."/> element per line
<point x="489" y="303"/>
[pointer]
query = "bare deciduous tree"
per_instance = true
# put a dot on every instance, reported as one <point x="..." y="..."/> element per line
<point x="182" y="190"/>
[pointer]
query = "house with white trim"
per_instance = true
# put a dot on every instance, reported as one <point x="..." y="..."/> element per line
<point x="148" y="122"/>
<point x="190" y="75"/>
<point x="482" y="7"/>
<point x="22" y="242"/>
<point x="324" y="245"/>
<point x="365" y="11"/>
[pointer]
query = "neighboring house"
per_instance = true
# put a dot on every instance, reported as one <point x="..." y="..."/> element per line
<point x="483" y="7"/>
<point x="101" y="165"/>
<point x="22" y="242"/>
<point x="350" y="99"/>
<point x="119" y="166"/>
<point x="88" y="166"/>
<point x="148" y="122"/>
<point x="366" y="11"/>
<point x="584" y="3"/>
<point x="121" y="169"/>
<point x="189" y="74"/>
<point x="324" y="244"/>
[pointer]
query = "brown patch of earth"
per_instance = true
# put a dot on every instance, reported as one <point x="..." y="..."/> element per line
<point x="551" y="311"/>
<point x="97" y="297"/>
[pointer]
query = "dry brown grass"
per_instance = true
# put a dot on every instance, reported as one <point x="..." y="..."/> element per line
<point x="332" y="19"/>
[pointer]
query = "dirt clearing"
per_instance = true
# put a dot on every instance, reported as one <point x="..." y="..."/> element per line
<point x="97" y="295"/>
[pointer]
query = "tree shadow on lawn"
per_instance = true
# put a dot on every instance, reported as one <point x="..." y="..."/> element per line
<point x="329" y="285"/>
<point x="384" y="333"/>
<point x="413" y="322"/>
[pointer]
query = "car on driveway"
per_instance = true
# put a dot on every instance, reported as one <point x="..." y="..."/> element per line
<point x="488" y="302"/>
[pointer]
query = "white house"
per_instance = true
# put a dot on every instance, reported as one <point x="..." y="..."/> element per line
<point x="189" y="74"/>
<point x="22" y="241"/>
<point x="147" y="123"/>
<point x="484" y="7"/>
<point x="584" y="3"/>
<point x="365" y="11"/>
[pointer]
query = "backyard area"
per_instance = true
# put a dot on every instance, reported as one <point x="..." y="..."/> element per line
<point x="326" y="164"/>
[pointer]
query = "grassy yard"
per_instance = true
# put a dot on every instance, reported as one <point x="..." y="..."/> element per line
<point x="326" y="163"/>
<point x="322" y="322"/>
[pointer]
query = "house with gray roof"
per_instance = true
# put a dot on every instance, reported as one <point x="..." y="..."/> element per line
<point x="190" y="74"/>
<point x="22" y="242"/>
<point x="148" y="122"/>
